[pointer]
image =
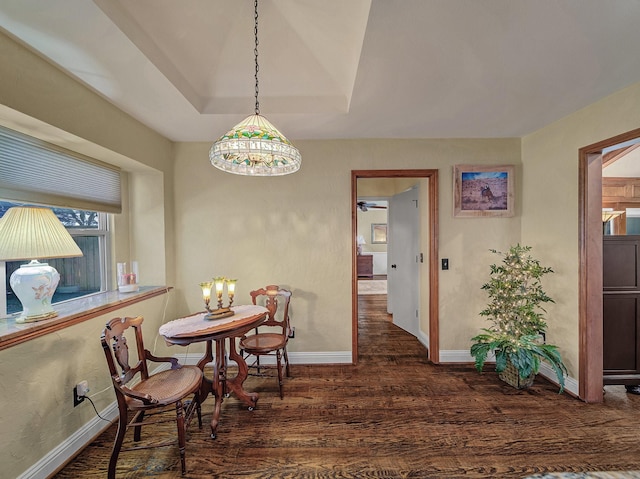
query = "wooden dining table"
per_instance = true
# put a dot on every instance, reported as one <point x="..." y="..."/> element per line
<point x="195" y="328"/>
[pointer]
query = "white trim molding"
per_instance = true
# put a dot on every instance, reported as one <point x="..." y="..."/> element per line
<point x="58" y="456"/>
<point x="320" y="357"/>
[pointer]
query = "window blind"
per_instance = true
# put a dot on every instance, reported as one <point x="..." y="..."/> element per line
<point x="34" y="171"/>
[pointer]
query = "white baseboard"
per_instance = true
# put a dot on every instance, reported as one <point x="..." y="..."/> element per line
<point x="570" y="384"/>
<point x="457" y="356"/>
<point x="320" y="357"/>
<point x="423" y="338"/>
<point x="58" y="456"/>
<point x="50" y="463"/>
<point x="330" y="357"/>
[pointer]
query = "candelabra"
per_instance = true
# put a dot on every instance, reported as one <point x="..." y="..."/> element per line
<point x="219" y="284"/>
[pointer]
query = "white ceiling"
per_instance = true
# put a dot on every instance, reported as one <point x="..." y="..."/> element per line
<point x="340" y="69"/>
<point x="626" y="166"/>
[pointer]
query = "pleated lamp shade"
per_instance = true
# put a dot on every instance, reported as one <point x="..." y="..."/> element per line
<point x="30" y="233"/>
<point x="27" y="233"/>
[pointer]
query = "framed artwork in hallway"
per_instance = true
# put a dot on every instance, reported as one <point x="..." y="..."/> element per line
<point x="378" y="233"/>
<point x="481" y="191"/>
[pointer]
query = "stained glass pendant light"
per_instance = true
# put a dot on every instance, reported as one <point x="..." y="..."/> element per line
<point x="254" y="147"/>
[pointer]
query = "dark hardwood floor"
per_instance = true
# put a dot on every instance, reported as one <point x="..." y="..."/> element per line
<point x="394" y="415"/>
<point x="375" y="276"/>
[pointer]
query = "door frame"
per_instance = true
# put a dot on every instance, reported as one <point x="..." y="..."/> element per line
<point x="590" y="266"/>
<point x="432" y="217"/>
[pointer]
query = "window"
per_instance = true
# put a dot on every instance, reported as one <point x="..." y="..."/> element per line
<point x="36" y="172"/>
<point x="79" y="276"/>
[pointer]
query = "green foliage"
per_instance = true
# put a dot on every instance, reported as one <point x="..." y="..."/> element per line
<point x="517" y="317"/>
<point x="516" y="294"/>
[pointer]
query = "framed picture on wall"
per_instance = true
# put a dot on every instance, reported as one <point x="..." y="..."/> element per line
<point x="483" y="190"/>
<point x="378" y="233"/>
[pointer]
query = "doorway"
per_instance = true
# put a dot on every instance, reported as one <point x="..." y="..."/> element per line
<point x="430" y="216"/>
<point x="590" y="268"/>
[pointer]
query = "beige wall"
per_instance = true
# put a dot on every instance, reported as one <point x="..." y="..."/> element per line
<point x="37" y="377"/>
<point x="296" y="231"/>
<point x="550" y="202"/>
<point x="379" y="188"/>
<point x="38" y="99"/>
<point x="37" y="380"/>
<point x="365" y="220"/>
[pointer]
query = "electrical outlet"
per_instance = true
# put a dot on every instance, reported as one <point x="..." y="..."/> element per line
<point x="80" y="391"/>
<point x="76" y="399"/>
<point x="292" y="333"/>
<point x="83" y="388"/>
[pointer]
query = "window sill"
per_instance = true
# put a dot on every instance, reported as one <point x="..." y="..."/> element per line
<point x="73" y="312"/>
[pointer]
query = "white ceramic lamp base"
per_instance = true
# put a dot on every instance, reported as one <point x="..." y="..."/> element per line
<point x="34" y="285"/>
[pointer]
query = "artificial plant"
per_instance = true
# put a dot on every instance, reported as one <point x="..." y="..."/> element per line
<point x="515" y="310"/>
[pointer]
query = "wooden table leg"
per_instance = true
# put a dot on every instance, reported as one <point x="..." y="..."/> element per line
<point x="207" y="385"/>
<point x="219" y="384"/>
<point x="216" y="385"/>
<point x="235" y="384"/>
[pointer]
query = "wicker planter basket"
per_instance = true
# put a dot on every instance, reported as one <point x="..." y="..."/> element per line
<point x="511" y="376"/>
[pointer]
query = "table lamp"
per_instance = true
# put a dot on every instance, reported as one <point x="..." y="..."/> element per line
<point x="27" y="233"/>
<point x="218" y="283"/>
<point x="360" y="241"/>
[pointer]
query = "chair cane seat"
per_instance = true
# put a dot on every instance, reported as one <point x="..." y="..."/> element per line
<point x="263" y="342"/>
<point x="167" y="387"/>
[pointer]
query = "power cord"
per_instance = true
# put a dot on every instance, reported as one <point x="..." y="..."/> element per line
<point x="164" y="320"/>
<point x="97" y="413"/>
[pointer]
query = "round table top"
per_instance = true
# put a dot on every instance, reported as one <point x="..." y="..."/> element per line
<point x="196" y="328"/>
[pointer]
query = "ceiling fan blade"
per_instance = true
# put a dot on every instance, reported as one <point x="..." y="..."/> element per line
<point x="365" y="206"/>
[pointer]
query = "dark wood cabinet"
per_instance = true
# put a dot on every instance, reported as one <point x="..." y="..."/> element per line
<point x="621" y="310"/>
<point x="365" y="265"/>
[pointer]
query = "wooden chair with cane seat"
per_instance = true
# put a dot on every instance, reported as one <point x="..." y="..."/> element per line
<point x="141" y="393"/>
<point x="273" y="341"/>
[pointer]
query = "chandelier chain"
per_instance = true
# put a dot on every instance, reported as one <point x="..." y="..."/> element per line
<point x="254" y="147"/>
<point x="255" y="53"/>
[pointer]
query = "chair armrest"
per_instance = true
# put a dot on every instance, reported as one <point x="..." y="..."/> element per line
<point x="155" y="359"/>
<point x="145" y="398"/>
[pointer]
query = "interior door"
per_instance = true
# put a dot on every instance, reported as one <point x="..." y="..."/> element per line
<point x="403" y="256"/>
